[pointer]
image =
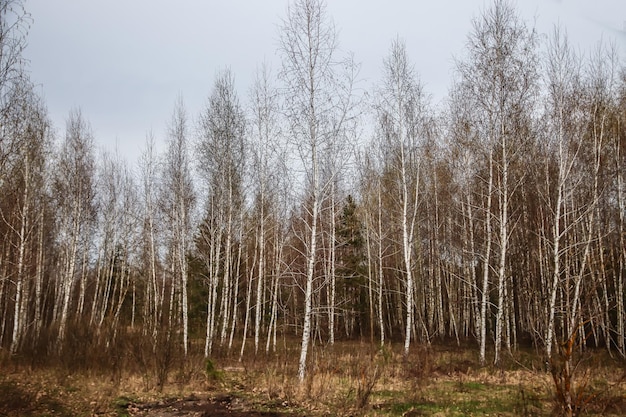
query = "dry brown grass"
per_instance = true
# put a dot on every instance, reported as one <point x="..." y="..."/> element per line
<point x="349" y="378"/>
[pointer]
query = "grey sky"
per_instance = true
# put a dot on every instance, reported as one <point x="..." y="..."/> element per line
<point x="124" y="63"/>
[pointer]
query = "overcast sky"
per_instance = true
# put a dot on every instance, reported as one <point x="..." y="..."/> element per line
<point x="124" y="63"/>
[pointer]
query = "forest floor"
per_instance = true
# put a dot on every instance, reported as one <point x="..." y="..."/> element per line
<point x="349" y="379"/>
<point x="225" y="405"/>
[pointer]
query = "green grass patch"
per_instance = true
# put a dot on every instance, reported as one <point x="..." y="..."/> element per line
<point x="211" y="371"/>
<point x="472" y="386"/>
<point x="402" y="408"/>
<point x="384" y="394"/>
<point x="456" y="398"/>
<point x="121" y="404"/>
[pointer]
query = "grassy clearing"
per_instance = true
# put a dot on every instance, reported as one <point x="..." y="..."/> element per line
<point x="347" y="379"/>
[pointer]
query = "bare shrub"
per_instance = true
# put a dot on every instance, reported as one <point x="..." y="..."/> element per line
<point x="419" y="367"/>
<point x="140" y="348"/>
<point x="77" y="349"/>
<point x="153" y="355"/>
<point x="163" y="358"/>
<point x="365" y="372"/>
<point x="573" y="392"/>
<point x="370" y="374"/>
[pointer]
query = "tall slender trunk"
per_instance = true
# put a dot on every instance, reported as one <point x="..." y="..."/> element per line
<point x="504" y="239"/>
<point x="236" y="286"/>
<point x="312" y="247"/>
<point x="71" y="251"/>
<point x="277" y="270"/>
<point x="83" y="287"/>
<point x="407" y="251"/>
<point x="471" y="269"/>
<point x="486" y="257"/>
<point x="38" y="322"/>
<point x="182" y="253"/>
<point x="598" y="139"/>
<point x="214" y="271"/>
<point x="248" y="300"/>
<point x="96" y="292"/>
<point x="331" y="248"/>
<point x="3" y="306"/>
<point x="308" y="294"/>
<point x="3" y="287"/>
<point x="381" y="319"/>
<point x="156" y="299"/>
<point x="124" y="284"/>
<point x="226" y="289"/>
<point x="260" y="275"/>
<point x="370" y="277"/>
<point x="106" y="295"/>
<point x="621" y="341"/>
<point x="18" y="317"/>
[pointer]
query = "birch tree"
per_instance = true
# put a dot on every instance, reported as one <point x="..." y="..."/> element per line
<point x="151" y="254"/>
<point x="15" y="97"/>
<point x="73" y="190"/>
<point x="265" y="169"/>
<point x="14" y="25"/>
<point x="25" y="184"/>
<point x="109" y="198"/>
<point x="500" y="75"/>
<point x="563" y="105"/>
<point x="117" y="233"/>
<point x="465" y="160"/>
<point x="317" y="101"/>
<point x="221" y="161"/>
<point x="402" y="116"/>
<point x="179" y="199"/>
<point x="619" y="146"/>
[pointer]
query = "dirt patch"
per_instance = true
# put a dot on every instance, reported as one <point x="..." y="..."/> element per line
<point x="193" y="406"/>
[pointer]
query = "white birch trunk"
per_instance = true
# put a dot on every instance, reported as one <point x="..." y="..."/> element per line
<point x="471" y="269"/>
<point x="248" y="301"/>
<point x="155" y="296"/>
<point x="621" y="341"/>
<point x="96" y="293"/>
<point x="381" y="277"/>
<point x="370" y="275"/>
<point x="226" y="289"/>
<point x="184" y="278"/>
<point x="485" y="282"/>
<point x="236" y="287"/>
<point x="107" y="290"/>
<point x="406" y="252"/>
<point x="308" y="294"/>
<point x="214" y="268"/>
<point x="83" y="279"/>
<point x="261" y="275"/>
<point x="38" y="322"/>
<point x="18" y="316"/>
<point x="504" y="237"/>
<point x="275" y="287"/>
<point x="556" y="259"/>
<point x="69" y="272"/>
<point x="332" y="254"/>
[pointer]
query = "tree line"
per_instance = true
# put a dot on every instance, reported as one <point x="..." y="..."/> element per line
<point x="311" y="210"/>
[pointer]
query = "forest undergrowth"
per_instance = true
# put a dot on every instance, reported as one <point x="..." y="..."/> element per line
<point x="348" y="378"/>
